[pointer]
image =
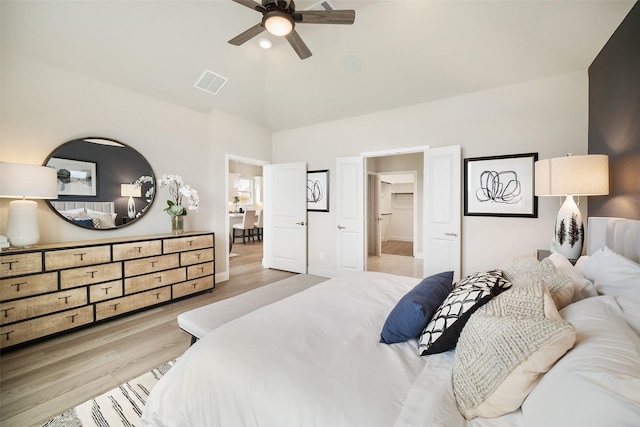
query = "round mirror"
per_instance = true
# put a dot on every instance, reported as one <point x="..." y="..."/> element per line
<point x="102" y="183"/>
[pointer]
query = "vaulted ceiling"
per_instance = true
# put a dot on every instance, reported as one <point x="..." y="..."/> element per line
<point x="397" y="53"/>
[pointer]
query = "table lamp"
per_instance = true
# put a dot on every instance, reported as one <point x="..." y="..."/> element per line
<point x="19" y="181"/>
<point x="571" y="176"/>
<point x="131" y="191"/>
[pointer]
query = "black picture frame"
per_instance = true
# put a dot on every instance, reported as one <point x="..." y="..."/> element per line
<point x="318" y="190"/>
<point x="501" y="186"/>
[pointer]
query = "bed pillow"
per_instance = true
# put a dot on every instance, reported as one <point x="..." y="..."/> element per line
<point x="506" y="347"/>
<point x="617" y="275"/>
<point x="414" y="310"/>
<point x="86" y="222"/>
<point x="107" y="220"/>
<point x="442" y="332"/>
<point x="588" y="265"/>
<point x="73" y="212"/>
<point x="597" y="382"/>
<point x="527" y="268"/>
<point x="583" y="287"/>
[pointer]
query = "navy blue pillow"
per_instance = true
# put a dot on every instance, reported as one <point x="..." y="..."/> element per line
<point x="414" y="310"/>
<point x="84" y="222"/>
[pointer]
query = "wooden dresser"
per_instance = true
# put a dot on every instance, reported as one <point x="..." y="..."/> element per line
<point x="56" y="287"/>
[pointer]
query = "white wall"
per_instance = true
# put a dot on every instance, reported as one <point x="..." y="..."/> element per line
<point x="44" y="106"/>
<point x="547" y="116"/>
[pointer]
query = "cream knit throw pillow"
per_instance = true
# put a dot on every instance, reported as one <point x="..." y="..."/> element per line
<point x="527" y="268"/>
<point x="505" y="348"/>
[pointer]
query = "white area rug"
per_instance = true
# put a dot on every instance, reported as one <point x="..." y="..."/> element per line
<point x="120" y="407"/>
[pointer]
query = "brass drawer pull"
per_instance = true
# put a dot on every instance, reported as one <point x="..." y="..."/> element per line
<point x="153" y="263"/>
<point x="198" y="255"/>
<point x="6" y="335"/>
<point x="81" y="255"/>
<point x="115" y="306"/>
<point x="201" y="269"/>
<point x="106" y="290"/>
<point x="66" y="299"/>
<point x="190" y="242"/>
<point x="157" y="294"/>
<point x="159" y="279"/>
<point x="92" y="273"/>
<point x="6" y="311"/>
<point x="72" y="317"/>
<point x="139" y="249"/>
<point x="194" y="285"/>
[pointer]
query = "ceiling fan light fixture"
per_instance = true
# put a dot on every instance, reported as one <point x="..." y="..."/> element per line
<point x="278" y="24"/>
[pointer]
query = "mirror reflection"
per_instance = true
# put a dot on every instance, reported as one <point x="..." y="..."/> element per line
<point x="102" y="183"/>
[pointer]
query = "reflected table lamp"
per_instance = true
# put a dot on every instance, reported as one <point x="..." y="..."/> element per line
<point x="25" y="182"/>
<point x="131" y="191"/>
<point x="571" y="176"/>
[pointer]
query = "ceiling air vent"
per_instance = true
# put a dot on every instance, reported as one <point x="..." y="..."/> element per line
<point x="210" y="82"/>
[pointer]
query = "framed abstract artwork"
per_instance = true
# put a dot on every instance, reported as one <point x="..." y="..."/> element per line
<point x="75" y="177"/>
<point x="318" y="191"/>
<point x="500" y="186"/>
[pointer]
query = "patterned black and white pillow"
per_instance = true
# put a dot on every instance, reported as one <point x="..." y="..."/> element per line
<point x="442" y="332"/>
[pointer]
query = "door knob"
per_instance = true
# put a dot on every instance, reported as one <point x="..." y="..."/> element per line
<point x="300" y="223"/>
<point x="340" y="227"/>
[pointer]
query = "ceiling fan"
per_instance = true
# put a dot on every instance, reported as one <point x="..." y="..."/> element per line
<point x="279" y="17"/>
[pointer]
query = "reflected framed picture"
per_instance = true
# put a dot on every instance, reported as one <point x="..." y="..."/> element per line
<point x="318" y="191"/>
<point x="500" y="186"/>
<point x="75" y="177"/>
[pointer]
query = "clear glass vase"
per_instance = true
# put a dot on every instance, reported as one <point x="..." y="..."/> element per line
<point x="177" y="224"/>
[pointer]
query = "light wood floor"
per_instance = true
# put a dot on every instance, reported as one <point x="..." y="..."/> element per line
<point x="44" y="379"/>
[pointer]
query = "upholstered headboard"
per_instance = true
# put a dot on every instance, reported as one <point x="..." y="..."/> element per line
<point x="618" y="234"/>
<point x="107" y="207"/>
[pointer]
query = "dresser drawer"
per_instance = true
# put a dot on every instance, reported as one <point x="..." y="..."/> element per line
<point x="192" y="286"/>
<point x="14" y="311"/>
<point x="69" y="258"/>
<point x="14" y="265"/>
<point x="199" y="270"/>
<point x="118" y="306"/>
<point x="154" y="280"/>
<point x="134" y="250"/>
<point x="187" y="243"/>
<point x="195" y="257"/>
<point x="43" y="326"/>
<point x="26" y="286"/>
<point x="105" y="291"/>
<point x="149" y="265"/>
<point x="89" y="275"/>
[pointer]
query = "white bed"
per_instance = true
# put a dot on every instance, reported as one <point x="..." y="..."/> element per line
<point x="99" y="215"/>
<point x="315" y="358"/>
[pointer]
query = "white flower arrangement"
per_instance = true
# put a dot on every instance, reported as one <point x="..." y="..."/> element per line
<point x="179" y="191"/>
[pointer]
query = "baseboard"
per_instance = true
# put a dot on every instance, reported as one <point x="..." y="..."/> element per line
<point x="222" y="277"/>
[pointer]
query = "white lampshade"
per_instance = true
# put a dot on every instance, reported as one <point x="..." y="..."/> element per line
<point x="130" y="190"/>
<point x="18" y="181"/>
<point x="571" y="176"/>
<point x="278" y="24"/>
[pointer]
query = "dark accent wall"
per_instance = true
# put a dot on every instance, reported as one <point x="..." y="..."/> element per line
<point x="614" y="118"/>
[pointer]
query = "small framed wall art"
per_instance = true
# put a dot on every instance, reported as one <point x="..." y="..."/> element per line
<point x="500" y="186"/>
<point x="75" y="177"/>
<point x="318" y="191"/>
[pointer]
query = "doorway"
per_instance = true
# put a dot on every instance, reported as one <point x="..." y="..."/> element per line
<point x="392" y="213"/>
<point x="244" y="193"/>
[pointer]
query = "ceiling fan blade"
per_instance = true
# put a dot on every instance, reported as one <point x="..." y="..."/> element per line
<point x="325" y="17"/>
<point x="247" y="35"/>
<point x="298" y="45"/>
<point x="251" y="5"/>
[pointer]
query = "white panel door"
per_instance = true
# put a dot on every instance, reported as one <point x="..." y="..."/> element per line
<point x="285" y="217"/>
<point x="442" y="237"/>
<point x="350" y="214"/>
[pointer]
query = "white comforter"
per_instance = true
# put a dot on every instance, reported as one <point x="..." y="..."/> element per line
<point x="312" y="359"/>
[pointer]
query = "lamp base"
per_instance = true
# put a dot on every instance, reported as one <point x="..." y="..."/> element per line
<point x="569" y="230"/>
<point x="131" y="208"/>
<point x="22" y="224"/>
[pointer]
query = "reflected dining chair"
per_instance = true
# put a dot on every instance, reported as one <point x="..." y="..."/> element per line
<point x="245" y="227"/>
<point x="258" y="225"/>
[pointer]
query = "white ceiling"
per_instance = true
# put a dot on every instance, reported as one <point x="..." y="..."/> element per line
<point x="397" y="53"/>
